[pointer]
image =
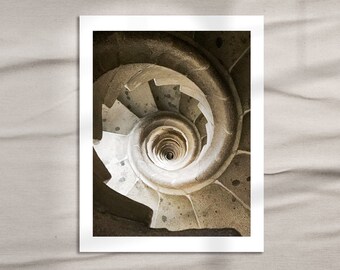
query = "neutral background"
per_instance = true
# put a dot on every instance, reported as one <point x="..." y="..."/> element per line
<point x="39" y="135"/>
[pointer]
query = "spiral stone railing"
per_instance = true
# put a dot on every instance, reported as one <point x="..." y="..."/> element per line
<point x="178" y="144"/>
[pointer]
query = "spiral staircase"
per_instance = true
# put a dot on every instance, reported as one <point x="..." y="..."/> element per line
<point x="176" y="146"/>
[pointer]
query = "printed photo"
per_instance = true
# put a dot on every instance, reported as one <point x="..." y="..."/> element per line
<point x="171" y="133"/>
<point x="171" y="130"/>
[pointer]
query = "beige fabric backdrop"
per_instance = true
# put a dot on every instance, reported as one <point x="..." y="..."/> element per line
<point x="39" y="135"/>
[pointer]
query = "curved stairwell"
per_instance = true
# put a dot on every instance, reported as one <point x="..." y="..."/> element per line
<point x="177" y="147"/>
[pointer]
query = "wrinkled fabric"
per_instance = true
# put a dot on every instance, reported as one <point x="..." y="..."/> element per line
<point x="39" y="135"/>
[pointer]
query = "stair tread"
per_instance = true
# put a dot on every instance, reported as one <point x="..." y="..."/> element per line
<point x="112" y="147"/>
<point x="139" y="101"/>
<point x="188" y="107"/>
<point x="123" y="177"/>
<point x="118" y="119"/>
<point x="167" y="97"/>
<point x="175" y="213"/>
<point x="141" y="193"/>
<point x="237" y="177"/>
<point x="216" y="208"/>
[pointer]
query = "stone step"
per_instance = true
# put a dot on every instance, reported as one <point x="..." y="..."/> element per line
<point x="218" y="208"/>
<point x="112" y="147"/>
<point x="118" y="119"/>
<point x="167" y="97"/>
<point x="140" y="101"/>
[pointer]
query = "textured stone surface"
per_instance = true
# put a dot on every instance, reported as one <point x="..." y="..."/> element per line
<point x="217" y="208"/>
<point x="237" y="177"/>
<point x="245" y="136"/>
<point x="175" y="213"/>
<point x="167" y="97"/>
<point x="188" y="107"/>
<point x="118" y="119"/>
<point x="145" y="195"/>
<point x="201" y="123"/>
<point x="241" y="76"/>
<point x="139" y="101"/>
<point x="123" y="178"/>
<point x="225" y="46"/>
<point x="106" y="224"/>
<point x="112" y="147"/>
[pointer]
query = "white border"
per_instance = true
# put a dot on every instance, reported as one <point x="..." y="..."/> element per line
<point x="253" y="243"/>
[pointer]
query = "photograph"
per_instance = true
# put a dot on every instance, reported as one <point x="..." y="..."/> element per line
<point x="171" y="133"/>
<point x="168" y="144"/>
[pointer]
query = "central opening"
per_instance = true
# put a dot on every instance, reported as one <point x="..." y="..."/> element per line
<point x="169" y="141"/>
<point x="169" y="156"/>
<point x="160" y="146"/>
<point x="166" y="145"/>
